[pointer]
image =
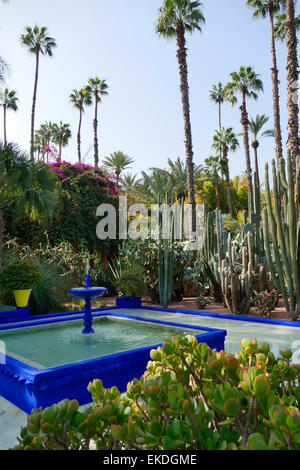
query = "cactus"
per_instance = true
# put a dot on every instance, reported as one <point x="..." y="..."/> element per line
<point x="283" y="219"/>
<point x="165" y="263"/>
<point x="239" y="280"/>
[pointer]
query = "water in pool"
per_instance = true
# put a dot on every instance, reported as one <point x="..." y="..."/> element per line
<point x="278" y="337"/>
<point x="56" y="344"/>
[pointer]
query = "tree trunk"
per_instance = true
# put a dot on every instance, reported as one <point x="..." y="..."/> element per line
<point x="60" y="146"/>
<point x="96" y="150"/>
<point x="255" y="145"/>
<point x="292" y="78"/>
<point x="37" y="56"/>
<point x="275" y="82"/>
<point x="245" y="122"/>
<point x="78" y="136"/>
<point x="227" y="176"/>
<point x="218" y="195"/>
<point x="184" y="88"/>
<point x="4" y="124"/>
<point x="220" y="127"/>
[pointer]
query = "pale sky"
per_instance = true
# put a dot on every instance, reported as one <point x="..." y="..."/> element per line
<point x="142" y="115"/>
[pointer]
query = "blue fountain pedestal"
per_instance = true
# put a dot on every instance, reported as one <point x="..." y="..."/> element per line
<point x="88" y="293"/>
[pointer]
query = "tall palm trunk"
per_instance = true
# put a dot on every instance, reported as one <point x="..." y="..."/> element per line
<point x="220" y="128"/>
<point x="245" y="122"/>
<point x="184" y="88"/>
<point x="292" y="77"/>
<point x="37" y="58"/>
<point x="60" y="146"/>
<point x="96" y="148"/>
<point x="78" y="136"/>
<point x="255" y="145"/>
<point x="275" y="82"/>
<point x="4" y="124"/>
<point x="227" y="177"/>
<point x="218" y="195"/>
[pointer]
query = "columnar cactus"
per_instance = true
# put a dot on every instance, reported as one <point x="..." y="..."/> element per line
<point x="239" y="280"/>
<point x="165" y="264"/>
<point x="282" y="218"/>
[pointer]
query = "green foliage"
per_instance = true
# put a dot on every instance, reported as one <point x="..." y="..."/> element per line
<point x="22" y="274"/>
<point x="82" y="189"/>
<point x="62" y="269"/>
<point x="207" y="193"/>
<point x="189" y="398"/>
<point x="145" y="253"/>
<point x="131" y="282"/>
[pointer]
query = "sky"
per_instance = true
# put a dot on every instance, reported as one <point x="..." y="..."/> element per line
<point x="142" y="116"/>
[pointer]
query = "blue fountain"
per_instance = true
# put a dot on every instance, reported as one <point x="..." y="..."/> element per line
<point x="88" y="293"/>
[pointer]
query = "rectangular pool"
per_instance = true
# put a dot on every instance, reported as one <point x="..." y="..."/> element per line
<point x="279" y="334"/>
<point x="63" y="343"/>
<point x="49" y="359"/>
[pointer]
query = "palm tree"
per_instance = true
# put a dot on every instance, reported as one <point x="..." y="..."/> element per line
<point x="280" y="26"/>
<point x="211" y="172"/>
<point x="255" y="126"/>
<point x="219" y="94"/>
<point x="130" y="182"/>
<point x="39" y="142"/>
<point x="38" y="42"/>
<point x="3" y="69"/>
<point x="80" y="99"/>
<point x="154" y="187"/>
<point x="246" y="83"/>
<point x="118" y="162"/>
<point x="262" y="8"/>
<point x="225" y="140"/>
<point x="292" y="81"/>
<point x="176" y="18"/>
<point x="177" y="174"/>
<point x="97" y="88"/>
<point x="46" y="131"/>
<point x="61" y="135"/>
<point x="9" y="100"/>
<point x="29" y="186"/>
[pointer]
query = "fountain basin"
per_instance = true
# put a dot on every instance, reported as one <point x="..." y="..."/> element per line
<point x="50" y="360"/>
<point x="87" y="293"/>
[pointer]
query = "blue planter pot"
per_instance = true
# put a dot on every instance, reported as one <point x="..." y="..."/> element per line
<point x="129" y="302"/>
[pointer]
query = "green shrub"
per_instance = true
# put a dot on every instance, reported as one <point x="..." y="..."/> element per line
<point x="190" y="397"/>
<point x="22" y="274"/>
<point x="131" y="282"/>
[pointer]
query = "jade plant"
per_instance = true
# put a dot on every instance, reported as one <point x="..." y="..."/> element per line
<point x="22" y="274"/>
<point x="190" y="397"/>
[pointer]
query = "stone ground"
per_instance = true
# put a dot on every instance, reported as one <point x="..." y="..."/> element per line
<point x="11" y="418"/>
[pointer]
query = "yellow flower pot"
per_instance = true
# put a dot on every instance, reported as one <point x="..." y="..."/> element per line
<point x="22" y="297"/>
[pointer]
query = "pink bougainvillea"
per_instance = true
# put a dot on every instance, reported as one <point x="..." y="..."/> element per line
<point x="69" y="172"/>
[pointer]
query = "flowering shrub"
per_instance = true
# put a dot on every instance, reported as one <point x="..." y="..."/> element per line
<point x="190" y="397"/>
<point x="68" y="171"/>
